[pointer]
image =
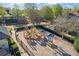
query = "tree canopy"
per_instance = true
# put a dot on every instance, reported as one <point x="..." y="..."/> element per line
<point x="46" y="12"/>
<point x="57" y="10"/>
<point x="2" y="10"/>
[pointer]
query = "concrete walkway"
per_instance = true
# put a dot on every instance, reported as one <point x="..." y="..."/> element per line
<point x="65" y="45"/>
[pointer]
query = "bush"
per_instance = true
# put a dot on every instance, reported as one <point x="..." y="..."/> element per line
<point x="14" y="47"/>
<point x="76" y="43"/>
<point x="12" y="41"/>
<point x="17" y="53"/>
<point x="10" y="31"/>
<point x="68" y="37"/>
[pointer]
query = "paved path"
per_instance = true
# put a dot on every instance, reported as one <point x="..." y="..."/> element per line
<point x="65" y="45"/>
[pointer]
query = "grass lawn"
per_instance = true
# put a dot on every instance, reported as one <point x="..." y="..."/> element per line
<point x="76" y="37"/>
<point x="76" y="43"/>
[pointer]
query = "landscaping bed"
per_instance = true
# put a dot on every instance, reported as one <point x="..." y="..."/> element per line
<point x="13" y="46"/>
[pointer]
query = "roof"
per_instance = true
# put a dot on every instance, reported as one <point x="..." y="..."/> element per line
<point x="4" y="30"/>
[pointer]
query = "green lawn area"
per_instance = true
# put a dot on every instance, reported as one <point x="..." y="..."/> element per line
<point x="76" y="37"/>
<point x="76" y="43"/>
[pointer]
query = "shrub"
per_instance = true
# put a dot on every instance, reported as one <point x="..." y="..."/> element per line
<point x="76" y="43"/>
<point x="68" y="37"/>
<point x="10" y="31"/>
<point x="17" y="53"/>
<point x="14" y="47"/>
<point x="12" y="41"/>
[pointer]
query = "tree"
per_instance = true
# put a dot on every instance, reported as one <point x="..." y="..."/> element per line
<point x="57" y="10"/>
<point x="46" y="12"/>
<point x="15" y="11"/>
<point x="68" y="25"/>
<point x="75" y="9"/>
<point x="65" y="12"/>
<point x="30" y="6"/>
<point x="65" y="26"/>
<point x="23" y="12"/>
<point x="2" y="11"/>
<point x="32" y="12"/>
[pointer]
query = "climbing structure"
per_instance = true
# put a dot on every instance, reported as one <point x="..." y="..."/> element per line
<point x="35" y="34"/>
